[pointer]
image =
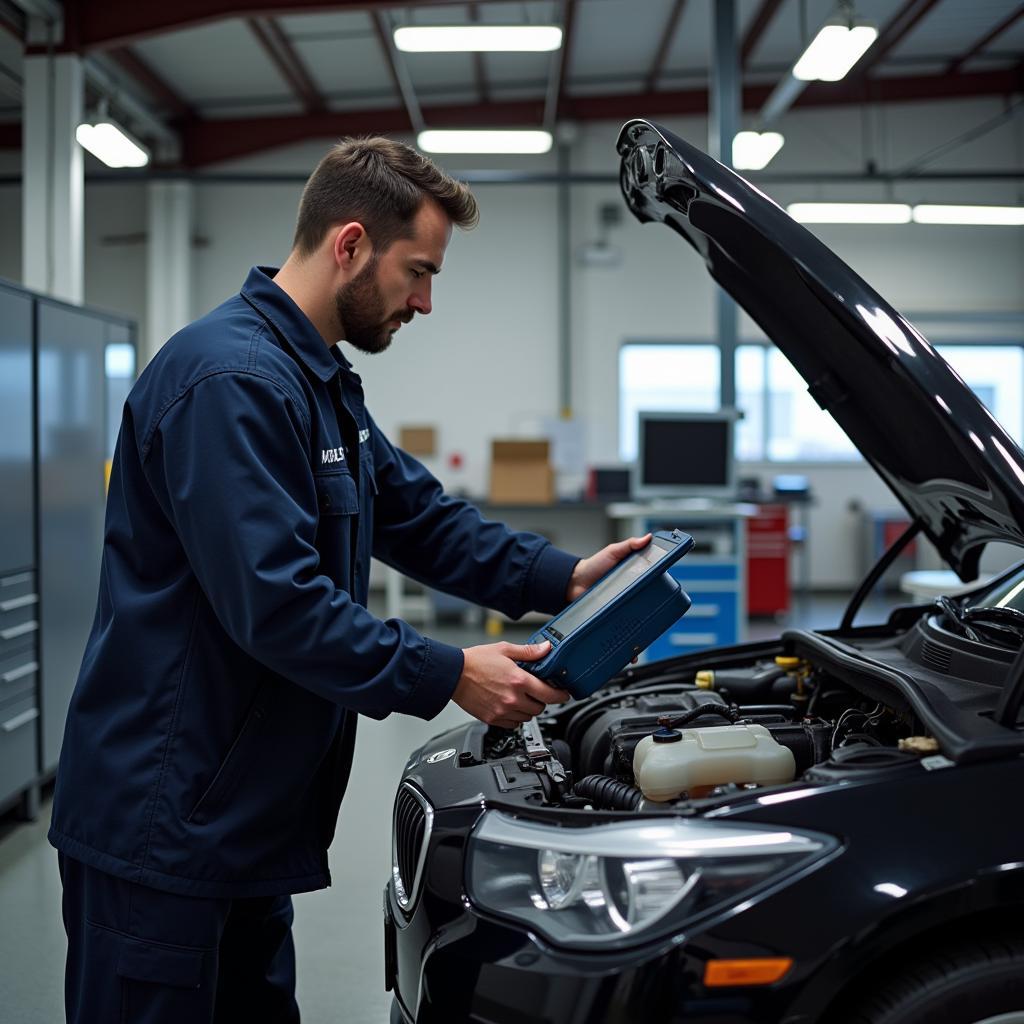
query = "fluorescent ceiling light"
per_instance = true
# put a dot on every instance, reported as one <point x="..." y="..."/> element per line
<point x="433" y="141"/>
<point x="833" y="51"/>
<point x="109" y="143"/>
<point x="933" y="214"/>
<point x="850" y="213"/>
<point x="753" y="151"/>
<point x="450" y="38"/>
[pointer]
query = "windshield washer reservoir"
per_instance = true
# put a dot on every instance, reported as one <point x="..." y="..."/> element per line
<point x="714" y="756"/>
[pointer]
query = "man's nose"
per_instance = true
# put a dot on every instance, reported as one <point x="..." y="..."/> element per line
<point x="420" y="301"/>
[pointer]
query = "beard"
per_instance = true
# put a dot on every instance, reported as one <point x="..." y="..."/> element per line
<point x="360" y="308"/>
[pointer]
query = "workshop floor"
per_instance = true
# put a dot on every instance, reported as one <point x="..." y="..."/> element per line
<point x="338" y="934"/>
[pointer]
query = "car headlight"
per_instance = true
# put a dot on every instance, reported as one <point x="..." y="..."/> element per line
<point x="611" y="885"/>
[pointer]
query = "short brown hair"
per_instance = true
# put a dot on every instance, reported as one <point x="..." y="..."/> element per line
<point x="380" y="183"/>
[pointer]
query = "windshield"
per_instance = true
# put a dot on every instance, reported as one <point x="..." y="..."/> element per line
<point x="1006" y="593"/>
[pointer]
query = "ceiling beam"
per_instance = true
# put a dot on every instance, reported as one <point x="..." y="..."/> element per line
<point x="101" y="24"/>
<point x="553" y="107"/>
<point x="479" y="71"/>
<point x="131" y="63"/>
<point x="902" y="23"/>
<point x="667" y="35"/>
<point x="399" y="72"/>
<point x="12" y="20"/>
<point x="289" y="64"/>
<point x="757" y="28"/>
<point x="207" y="142"/>
<point x="984" y="41"/>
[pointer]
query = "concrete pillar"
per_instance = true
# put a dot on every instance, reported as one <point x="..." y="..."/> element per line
<point x="723" y="123"/>
<point x="169" y="263"/>
<point x="53" y="179"/>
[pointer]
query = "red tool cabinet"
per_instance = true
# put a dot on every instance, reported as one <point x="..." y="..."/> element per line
<point x="768" y="591"/>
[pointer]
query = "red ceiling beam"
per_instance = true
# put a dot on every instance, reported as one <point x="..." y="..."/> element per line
<point x="985" y="40"/>
<point x="154" y="84"/>
<point x="674" y="17"/>
<point x="101" y="24"/>
<point x="765" y="14"/>
<point x="284" y="57"/>
<point x="903" y="22"/>
<point x="212" y="141"/>
<point x="208" y="142"/>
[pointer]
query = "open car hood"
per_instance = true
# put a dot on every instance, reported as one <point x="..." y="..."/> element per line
<point x="946" y="458"/>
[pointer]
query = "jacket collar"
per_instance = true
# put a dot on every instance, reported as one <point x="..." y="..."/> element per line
<point x="291" y="323"/>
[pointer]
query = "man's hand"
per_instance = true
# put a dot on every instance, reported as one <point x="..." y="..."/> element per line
<point x="496" y="690"/>
<point x="589" y="570"/>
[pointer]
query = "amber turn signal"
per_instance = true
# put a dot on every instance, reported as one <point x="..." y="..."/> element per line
<point x="762" y="971"/>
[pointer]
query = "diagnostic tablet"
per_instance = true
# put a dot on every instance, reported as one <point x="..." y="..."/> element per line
<point x="616" y="619"/>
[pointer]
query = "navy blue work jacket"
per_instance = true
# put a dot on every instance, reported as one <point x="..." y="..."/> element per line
<point x="211" y="731"/>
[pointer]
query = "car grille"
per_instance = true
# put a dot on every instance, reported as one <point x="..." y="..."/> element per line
<point x="410" y="834"/>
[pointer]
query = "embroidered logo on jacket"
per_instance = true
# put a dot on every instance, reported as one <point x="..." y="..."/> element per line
<point x="332" y="455"/>
<point x="364" y="436"/>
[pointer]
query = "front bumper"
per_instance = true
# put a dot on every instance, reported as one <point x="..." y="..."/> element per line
<point x="447" y="961"/>
<point x="474" y="970"/>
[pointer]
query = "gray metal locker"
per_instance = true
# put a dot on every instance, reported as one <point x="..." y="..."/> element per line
<point x="19" y="600"/>
<point x="72" y="452"/>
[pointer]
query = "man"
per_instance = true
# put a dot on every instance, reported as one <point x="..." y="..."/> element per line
<point x="211" y="732"/>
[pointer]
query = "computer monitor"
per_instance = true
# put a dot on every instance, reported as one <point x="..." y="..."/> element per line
<point x="685" y="455"/>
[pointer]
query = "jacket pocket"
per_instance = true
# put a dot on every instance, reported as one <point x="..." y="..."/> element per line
<point x="241" y="752"/>
<point x="336" y="494"/>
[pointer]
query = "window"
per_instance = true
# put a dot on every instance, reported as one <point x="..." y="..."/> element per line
<point x="665" y="378"/>
<point x="781" y="422"/>
<point x="995" y="373"/>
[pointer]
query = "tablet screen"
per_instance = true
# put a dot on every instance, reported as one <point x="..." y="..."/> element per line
<point x="628" y="570"/>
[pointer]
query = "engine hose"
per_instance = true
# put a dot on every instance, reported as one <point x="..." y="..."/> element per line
<point x="732" y="712"/>
<point x="609" y="794"/>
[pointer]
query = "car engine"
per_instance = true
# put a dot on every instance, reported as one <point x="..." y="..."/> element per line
<point x="686" y="735"/>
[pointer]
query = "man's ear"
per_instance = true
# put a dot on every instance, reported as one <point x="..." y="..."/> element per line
<point x="351" y="246"/>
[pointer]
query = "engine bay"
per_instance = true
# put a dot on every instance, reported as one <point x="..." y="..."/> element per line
<point x="812" y="708"/>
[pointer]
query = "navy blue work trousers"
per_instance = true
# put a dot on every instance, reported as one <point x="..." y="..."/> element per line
<point x="140" y="956"/>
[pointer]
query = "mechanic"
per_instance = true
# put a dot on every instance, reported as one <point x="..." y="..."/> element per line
<point x="211" y="732"/>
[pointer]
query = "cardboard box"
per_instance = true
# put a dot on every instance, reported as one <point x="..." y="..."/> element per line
<point x="418" y="440"/>
<point x="521" y="473"/>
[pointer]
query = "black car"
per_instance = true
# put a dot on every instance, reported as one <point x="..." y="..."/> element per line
<point x="880" y="876"/>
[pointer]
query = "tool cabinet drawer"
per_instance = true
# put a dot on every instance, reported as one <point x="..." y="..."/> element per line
<point x="17" y="585"/>
<point x="19" y="617"/>
<point x="19" y="674"/>
<point x="18" y="746"/>
<point x="19" y="611"/>
<point x="710" y="622"/>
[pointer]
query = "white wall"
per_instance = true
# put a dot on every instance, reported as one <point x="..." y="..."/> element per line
<point x="484" y="363"/>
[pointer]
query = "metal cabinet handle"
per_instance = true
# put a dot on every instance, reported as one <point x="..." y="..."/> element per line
<point x="20" y="672"/>
<point x="18" y="602"/>
<point x="13" y="631"/>
<point x="704" y="611"/>
<point x="693" y="639"/>
<point x="19" y="720"/>
<point x="11" y="581"/>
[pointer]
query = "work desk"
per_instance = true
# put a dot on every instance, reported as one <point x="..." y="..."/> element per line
<point x="580" y="527"/>
<point x="713" y="574"/>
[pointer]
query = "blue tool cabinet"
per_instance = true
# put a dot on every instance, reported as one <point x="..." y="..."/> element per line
<point x="713" y="574"/>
